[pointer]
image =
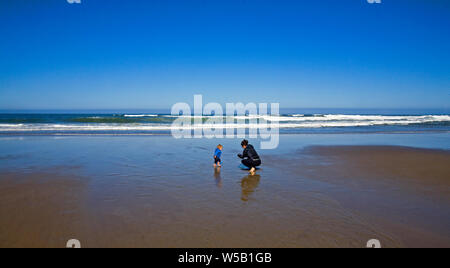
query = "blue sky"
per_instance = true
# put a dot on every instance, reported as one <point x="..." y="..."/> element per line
<point x="151" y="54"/>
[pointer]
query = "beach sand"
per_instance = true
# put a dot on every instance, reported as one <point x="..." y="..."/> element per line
<point x="320" y="196"/>
<point x="403" y="192"/>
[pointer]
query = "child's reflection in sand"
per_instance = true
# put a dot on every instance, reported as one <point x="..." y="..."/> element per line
<point x="249" y="185"/>
<point x="218" y="177"/>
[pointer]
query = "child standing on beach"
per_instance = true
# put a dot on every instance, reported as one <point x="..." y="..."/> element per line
<point x="217" y="156"/>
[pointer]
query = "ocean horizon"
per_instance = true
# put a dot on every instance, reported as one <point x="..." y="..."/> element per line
<point x="286" y="111"/>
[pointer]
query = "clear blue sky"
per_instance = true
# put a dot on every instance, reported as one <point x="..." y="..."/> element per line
<point x="132" y="54"/>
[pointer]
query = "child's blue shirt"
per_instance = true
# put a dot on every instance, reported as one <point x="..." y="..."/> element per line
<point x="218" y="153"/>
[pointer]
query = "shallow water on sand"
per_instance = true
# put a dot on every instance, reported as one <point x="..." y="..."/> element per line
<point x="162" y="192"/>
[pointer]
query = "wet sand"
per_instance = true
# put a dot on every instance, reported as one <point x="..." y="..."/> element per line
<point x="326" y="196"/>
<point x="39" y="209"/>
<point x="402" y="191"/>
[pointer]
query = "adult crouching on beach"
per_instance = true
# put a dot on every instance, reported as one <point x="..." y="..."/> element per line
<point x="250" y="157"/>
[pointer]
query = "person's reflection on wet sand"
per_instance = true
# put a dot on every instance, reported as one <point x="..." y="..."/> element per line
<point x="218" y="177"/>
<point x="249" y="185"/>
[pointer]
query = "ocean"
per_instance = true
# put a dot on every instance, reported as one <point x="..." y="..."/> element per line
<point x="295" y="121"/>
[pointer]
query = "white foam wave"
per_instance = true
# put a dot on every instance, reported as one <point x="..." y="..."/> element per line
<point x="330" y="117"/>
<point x="324" y="121"/>
<point x="140" y="115"/>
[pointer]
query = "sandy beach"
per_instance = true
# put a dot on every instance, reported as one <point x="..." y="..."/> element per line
<point x="107" y="193"/>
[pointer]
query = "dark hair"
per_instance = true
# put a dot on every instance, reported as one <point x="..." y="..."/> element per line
<point x="244" y="143"/>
